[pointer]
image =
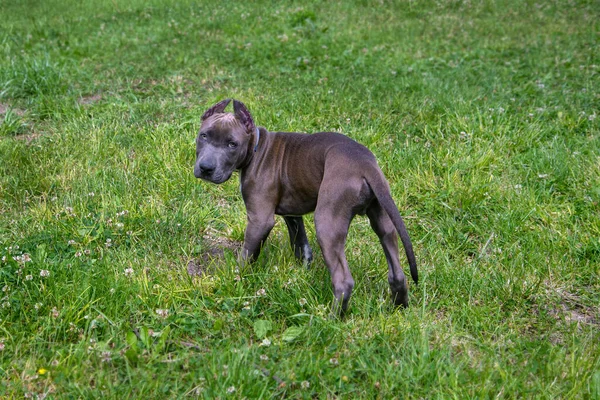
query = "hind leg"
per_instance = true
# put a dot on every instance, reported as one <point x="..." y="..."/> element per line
<point x="331" y="234"/>
<point x="384" y="228"/>
<point x="298" y="239"/>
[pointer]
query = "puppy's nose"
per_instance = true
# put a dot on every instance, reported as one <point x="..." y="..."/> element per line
<point x="206" y="168"/>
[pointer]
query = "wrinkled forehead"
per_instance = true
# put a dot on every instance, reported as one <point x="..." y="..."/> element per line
<point x="222" y="121"/>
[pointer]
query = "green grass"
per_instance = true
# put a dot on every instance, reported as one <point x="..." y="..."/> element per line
<point x="483" y="116"/>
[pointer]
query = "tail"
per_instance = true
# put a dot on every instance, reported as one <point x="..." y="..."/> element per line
<point x="382" y="192"/>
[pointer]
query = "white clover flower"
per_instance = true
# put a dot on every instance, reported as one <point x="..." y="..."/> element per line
<point x="106" y="357"/>
<point x="44" y="273"/>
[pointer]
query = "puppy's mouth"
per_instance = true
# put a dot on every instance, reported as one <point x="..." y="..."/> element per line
<point x="213" y="177"/>
<point x="216" y="179"/>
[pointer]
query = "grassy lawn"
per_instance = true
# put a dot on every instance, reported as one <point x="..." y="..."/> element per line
<point x="118" y="268"/>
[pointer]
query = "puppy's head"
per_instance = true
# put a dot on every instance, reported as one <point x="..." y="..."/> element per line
<point x="223" y="141"/>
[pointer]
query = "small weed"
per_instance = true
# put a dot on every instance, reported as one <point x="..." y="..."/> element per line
<point x="12" y="124"/>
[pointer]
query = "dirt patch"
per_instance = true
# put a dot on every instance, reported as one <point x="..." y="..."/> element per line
<point x="4" y="108"/>
<point x="572" y="308"/>
<point x="574" y="311"/>
<point x="214" y="249"/>
<point x="29" y="137"/>
<point x="90" y="99"/>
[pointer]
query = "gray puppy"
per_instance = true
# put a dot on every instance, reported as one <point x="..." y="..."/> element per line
<point x="292" y="174"/>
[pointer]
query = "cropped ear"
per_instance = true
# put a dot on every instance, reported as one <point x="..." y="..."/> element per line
<point x="243" y="115"/>
<point x="217" y="108"/>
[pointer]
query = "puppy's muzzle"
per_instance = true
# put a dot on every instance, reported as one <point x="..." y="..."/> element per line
<point x="208" y="171"/>
<point x="205" y="169"/>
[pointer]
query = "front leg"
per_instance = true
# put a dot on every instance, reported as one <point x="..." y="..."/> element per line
<point x="298" y="238"/>
<point x="258" y="229"/>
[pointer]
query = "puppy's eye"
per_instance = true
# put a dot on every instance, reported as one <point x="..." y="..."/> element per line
<point x="232" y="145"/>
<point x="203" y="135"/>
